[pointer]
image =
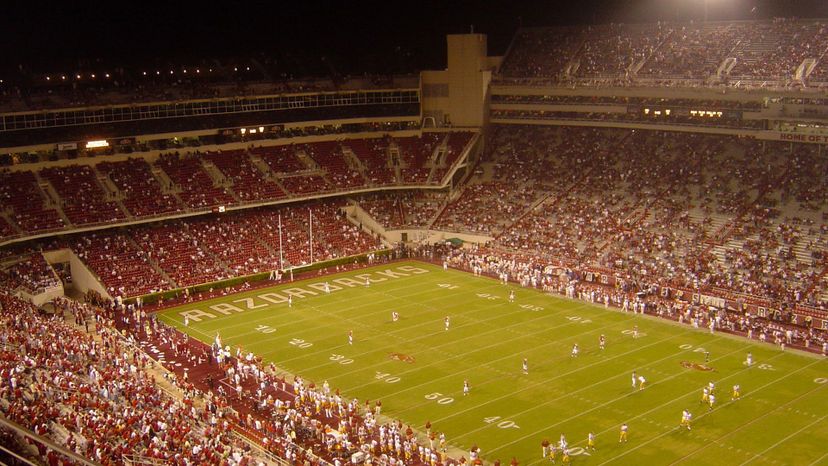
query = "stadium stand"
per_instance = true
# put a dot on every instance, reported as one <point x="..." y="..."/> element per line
<point x="248" y="182"/>
<point x="119" y="263"/>
<point x="95" y="396"/>
<point x="761" y="52"/>
<point x="340" y="169"/>
<point x="640" y="219"/>
<point x="374" y="154"/>
<point x="415" y="152"/>
<point x="29" y="209"/>
<point x="117" y="191"/>
<point x="84" y="200"/>
<point x="197" y="188"/>
<point x="32" y="274"/>
<point x="144" y="195"/>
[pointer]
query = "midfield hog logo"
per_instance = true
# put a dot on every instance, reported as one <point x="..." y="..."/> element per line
<point x="696" y="366"/>
<point x="402" y="357"/>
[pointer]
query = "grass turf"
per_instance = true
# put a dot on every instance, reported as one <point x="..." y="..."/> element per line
<point x="780" y="419"/>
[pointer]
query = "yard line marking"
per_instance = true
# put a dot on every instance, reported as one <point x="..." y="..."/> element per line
<point x="543" y="382"/>
<point x="819" y="460"/>
<point x="704" y="414"/>
<point x="452" y="342"/>
<point x="470" y="322"/>
<point x="338" y="315"/>
<point x="345" y="310"/>
<point x="275" y="288"/>
<point x="747" y="424"/>
<point x="392" y="345"/>
<point x="626" y="395"/>
<point x="757" y="455"/>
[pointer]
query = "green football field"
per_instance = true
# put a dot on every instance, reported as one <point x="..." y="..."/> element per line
<point x="417" y="368"/>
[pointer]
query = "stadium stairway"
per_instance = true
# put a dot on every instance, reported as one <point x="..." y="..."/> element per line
<point x="151" y="261"/>
<point x="167" y="186"/>
<point x="263" y="167"/>
<point x="115" y="195"/>
<point x="306" y="159"/>
<point x="13" y="225"/>
<point x="52" y="197"/>
<point x="437" y="159"/>
<point x="353" y="161"/>
<point x="219" y="180"/>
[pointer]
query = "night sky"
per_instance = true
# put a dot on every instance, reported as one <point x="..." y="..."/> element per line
<point x="351" y="36"/>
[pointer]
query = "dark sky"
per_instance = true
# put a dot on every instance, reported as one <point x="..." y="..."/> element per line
<point x="368" y="34"/>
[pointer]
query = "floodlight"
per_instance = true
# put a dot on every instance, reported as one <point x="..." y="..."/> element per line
<point x="95" y="144"/>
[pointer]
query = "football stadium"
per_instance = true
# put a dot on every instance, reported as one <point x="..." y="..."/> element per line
<point x="588" y="240"/>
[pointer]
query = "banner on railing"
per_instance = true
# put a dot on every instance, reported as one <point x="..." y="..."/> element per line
<point x="707" y="300"/>
<point x="802" y="137"/>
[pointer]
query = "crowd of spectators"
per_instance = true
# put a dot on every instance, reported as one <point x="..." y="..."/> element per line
<point x="659" y="102"/>
<point x="33" y="274"/>
<point x="694" y="51"/>
<point x="93" y="394"/>
<point x="698" y="211"/>
<point x="762" y="50"/>
<point x="775" y="49"/>
<point x="531" y="270"/>
<point x="120" y="264"/>
<point x="405" y="209"/>
<point x="187" y="252"/>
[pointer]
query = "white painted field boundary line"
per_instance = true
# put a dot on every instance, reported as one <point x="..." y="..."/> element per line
<point x="602" y="405"/>
<point x="273" y="306"/>
<point x="753" y="392"/>
<point x="392" y="345"/>
<point x="338" y="314"/>
<point x="335" y="314"/>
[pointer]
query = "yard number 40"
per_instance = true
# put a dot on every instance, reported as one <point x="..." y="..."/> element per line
<point x="504" y="424"/>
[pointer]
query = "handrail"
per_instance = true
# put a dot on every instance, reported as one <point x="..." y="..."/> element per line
<point x="17" y="428"/>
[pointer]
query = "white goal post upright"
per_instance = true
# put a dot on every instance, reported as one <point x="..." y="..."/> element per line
<point x="310" y="221"/>
<point x="281" y="257"/>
